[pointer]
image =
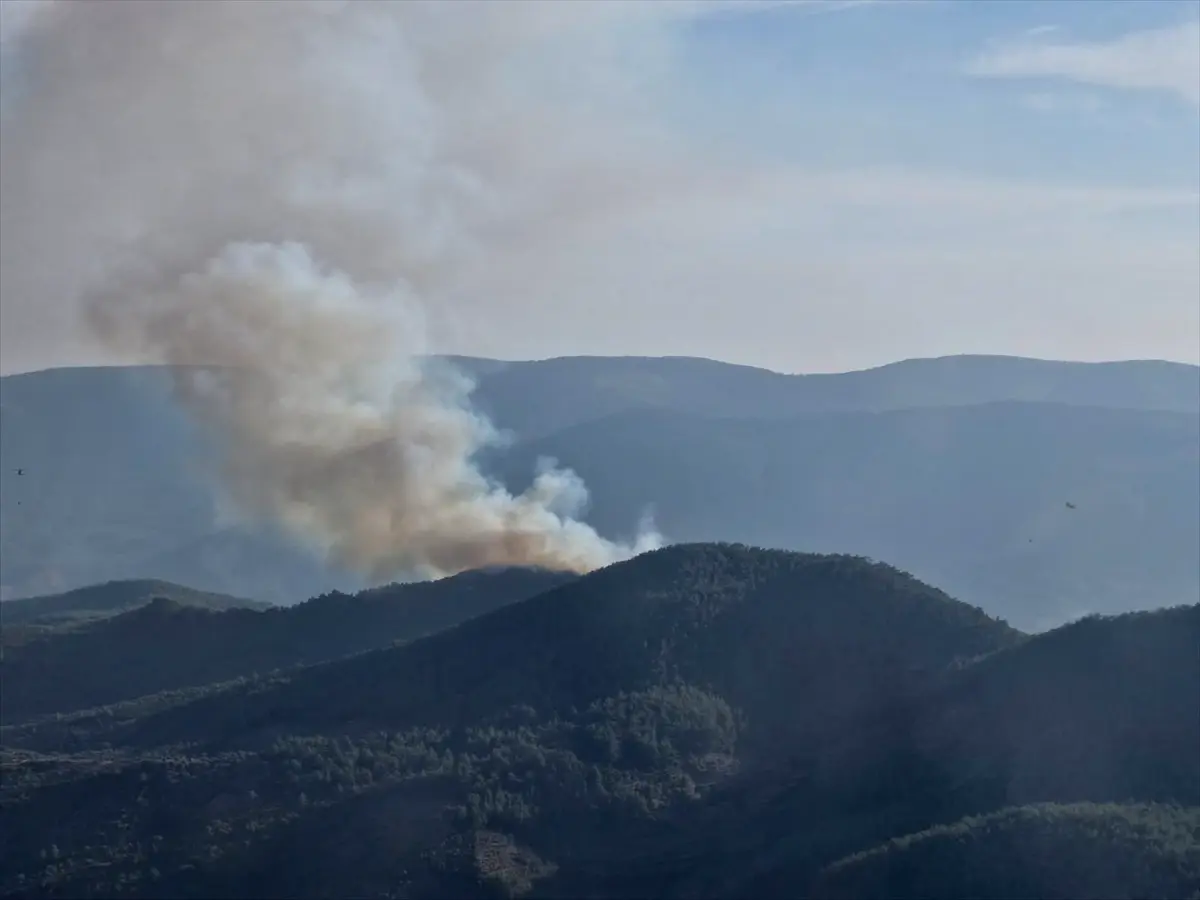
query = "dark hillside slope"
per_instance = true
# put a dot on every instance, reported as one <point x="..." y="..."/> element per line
<point x="1128" y="686"/>
<point x="166" y="646"/>
<point x="110" y="598"/>
<point x="702" y="721"/>
<point x="794" y="643"/>
<point x="1102" y="711"/>
<point x="1045" y="852"/>
<point x="569" y="722"/>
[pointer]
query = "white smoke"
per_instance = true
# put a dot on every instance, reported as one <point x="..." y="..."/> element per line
<point x="279" y="191"/>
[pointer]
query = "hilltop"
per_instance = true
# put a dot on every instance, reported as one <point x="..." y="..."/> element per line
<point x="749" y="626"/>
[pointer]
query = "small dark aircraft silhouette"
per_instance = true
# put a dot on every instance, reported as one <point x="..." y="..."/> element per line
<point x="20" y="471"/>
<point x="1070" y="505"/>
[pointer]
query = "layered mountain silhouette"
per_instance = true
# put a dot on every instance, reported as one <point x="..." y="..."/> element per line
<point x="1039" y="512"/>
<point x="537" y="398"/>
<point x="707" y="720"/>
<point x="175" y="642"/>
<point x="1041" y="490"/>
<point x="103" y="600"/>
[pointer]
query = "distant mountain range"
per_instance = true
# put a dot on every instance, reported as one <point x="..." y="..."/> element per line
<point x="103" y="600"/>
<point x="536" y="398"/>
<point x="1038" y="512"/>
<point x="958" y="469"/>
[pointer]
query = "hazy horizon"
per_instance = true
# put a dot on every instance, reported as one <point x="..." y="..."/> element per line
<point x="730" y="362"/>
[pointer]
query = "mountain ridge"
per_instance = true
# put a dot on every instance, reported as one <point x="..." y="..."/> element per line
<point x="114" y="597"/>
<point x="169" y="646"/>
<point x="118" y="487"/>
<point x="658" y="619"/>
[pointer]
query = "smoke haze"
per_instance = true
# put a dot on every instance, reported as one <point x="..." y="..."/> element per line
<point x="280" y="192"/>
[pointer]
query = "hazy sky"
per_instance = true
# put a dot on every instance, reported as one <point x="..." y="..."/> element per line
<point x="829" y="186"/>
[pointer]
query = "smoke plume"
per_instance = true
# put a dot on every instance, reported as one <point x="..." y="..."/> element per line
<point x="281" y="193"/>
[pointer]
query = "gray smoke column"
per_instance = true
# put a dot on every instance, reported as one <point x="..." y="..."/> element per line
<point x="280" y="192"/>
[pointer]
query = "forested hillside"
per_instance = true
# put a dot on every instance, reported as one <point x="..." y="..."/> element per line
<point x="701" y="721"/>
<point x="169" y="645"/>
<point x="1044" y="852"/>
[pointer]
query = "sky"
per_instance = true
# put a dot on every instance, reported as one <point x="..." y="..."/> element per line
<point x="808" y="187"/>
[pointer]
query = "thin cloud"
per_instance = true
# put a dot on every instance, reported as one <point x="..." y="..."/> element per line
<point x="1161" y="59"/>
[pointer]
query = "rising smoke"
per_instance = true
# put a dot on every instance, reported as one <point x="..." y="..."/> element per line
<point x="280" y="192"/>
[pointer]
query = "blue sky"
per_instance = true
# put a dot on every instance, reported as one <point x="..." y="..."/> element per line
<point x="921" y="178"/>
<point x="888" y="83"/>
